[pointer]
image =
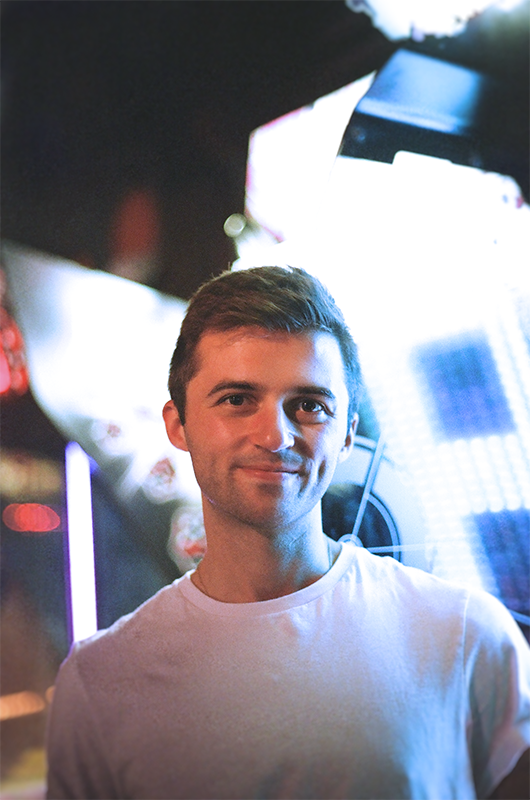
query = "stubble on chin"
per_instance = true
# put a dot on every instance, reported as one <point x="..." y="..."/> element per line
<point x="265" y="512"/>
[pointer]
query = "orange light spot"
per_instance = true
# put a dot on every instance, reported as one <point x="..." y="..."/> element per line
<point x="20" y="704"/>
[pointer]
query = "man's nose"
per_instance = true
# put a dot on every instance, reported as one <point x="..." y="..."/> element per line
<point x="274" y="430"/>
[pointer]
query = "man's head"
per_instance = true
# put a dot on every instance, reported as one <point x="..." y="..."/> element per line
<point x="273" y="298"/>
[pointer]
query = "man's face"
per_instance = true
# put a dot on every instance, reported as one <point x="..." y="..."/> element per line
<point x="266" y="422"/>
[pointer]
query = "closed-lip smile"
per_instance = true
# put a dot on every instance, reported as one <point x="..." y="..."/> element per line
<point x="281" y="469"/>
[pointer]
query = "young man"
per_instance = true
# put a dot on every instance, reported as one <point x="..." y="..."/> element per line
<point x="285" y="665"/>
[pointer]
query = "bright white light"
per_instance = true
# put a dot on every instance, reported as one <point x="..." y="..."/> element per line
<point x="80" y="543"/>
<point x="417" y="17"/>
<point x="291" y="158"/>
<point x="453" y="479"/>
<point x="519" y="462"/>
<point x="508" y="5"/>
<point x="509" y="489"/>
<point x="487" y="473"/>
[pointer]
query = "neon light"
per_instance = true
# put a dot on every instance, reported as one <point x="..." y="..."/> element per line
<point x="80" y="543"/>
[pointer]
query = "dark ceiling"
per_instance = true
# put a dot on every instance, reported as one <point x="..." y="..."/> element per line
<point x="100" y="98"/>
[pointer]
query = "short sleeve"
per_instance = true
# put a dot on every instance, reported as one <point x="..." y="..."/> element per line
<point x="77" y="768"/>
<point x="497" y="670"/>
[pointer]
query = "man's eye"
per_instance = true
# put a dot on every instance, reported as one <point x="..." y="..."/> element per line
<point x="313" y="410"/>
<point x="234" y="399"/>
<point x="310" y="406"/>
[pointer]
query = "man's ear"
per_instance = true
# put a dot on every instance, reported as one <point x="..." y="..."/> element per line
<point x="174" y="427"/>
<point x="350" y="438"/>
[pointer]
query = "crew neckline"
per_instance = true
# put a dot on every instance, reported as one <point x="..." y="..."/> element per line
<point x="277" y="604"/>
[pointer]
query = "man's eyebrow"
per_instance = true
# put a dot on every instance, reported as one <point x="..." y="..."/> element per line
<point x="234" y="386"/>
<point x="319" y="390"/>
<point x="244" y="386"/>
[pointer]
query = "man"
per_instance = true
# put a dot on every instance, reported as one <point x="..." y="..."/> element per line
<point x="285" y="665"/>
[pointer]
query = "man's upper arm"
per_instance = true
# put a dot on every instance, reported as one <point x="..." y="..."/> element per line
<point x="516" y="785"/>
<point x="77" y="767"/>
<point x="499" y="664"/>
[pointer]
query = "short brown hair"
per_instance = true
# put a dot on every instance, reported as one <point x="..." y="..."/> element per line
<point x="272" y="298"/>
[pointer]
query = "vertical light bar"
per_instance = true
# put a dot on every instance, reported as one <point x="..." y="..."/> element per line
<point x="80" y="543"/>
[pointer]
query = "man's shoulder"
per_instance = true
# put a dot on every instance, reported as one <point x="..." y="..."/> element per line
<point x="447" y="621"/>
<point x="478" y="609"/>
<point x="413" y="582"/>
<point x="137" y="631"/>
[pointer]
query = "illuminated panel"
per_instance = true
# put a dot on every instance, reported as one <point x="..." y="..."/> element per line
<point x="460" y="379"/>
<point x="502" y="534"/>
<point x="464" y="441"/>
<point x="80" y="543"/>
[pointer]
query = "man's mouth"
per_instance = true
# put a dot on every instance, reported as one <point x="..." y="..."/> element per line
<point x="260" y="468"/>
<point x="269" y="470"/>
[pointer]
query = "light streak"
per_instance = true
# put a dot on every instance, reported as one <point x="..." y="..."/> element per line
<point x="82" y="574"/>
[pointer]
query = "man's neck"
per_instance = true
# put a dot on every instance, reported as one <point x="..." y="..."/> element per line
<point x="243" y="565"/>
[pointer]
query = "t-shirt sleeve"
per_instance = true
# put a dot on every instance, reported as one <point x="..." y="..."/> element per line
<point x="77" y="767"/>
<point x="497" y="666"/>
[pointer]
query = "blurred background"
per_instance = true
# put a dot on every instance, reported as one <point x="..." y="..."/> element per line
<point x="147" y="146"/>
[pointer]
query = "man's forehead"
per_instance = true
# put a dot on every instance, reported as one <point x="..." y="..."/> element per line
<point x="213" y="339"/>
<point x="222" y="354"/>
<point x="250" y="332"/>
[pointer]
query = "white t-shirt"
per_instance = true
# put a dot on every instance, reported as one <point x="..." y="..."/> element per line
<point x="377" y="681"/>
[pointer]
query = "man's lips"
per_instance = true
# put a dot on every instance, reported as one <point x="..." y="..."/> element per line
<point x="273" y="470"/>
<point x="270" y="469"/>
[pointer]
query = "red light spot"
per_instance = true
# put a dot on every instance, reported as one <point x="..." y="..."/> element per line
<point x="13" y="369"/>
<point x="5" y="376"/>
<point x="136" y="228"/>
<point x="30" y="518"/>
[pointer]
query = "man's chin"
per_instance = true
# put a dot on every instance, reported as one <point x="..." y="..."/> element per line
<point x="271" y="521"/>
